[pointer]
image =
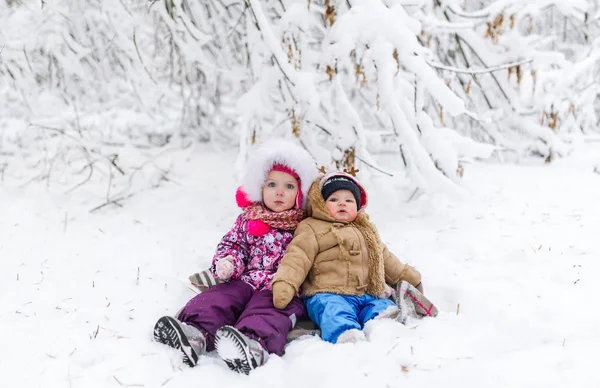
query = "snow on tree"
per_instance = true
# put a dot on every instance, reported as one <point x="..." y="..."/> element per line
<point x="439" y="82"/>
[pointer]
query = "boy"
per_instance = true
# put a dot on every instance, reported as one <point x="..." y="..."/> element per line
<point x="340" y="262"/>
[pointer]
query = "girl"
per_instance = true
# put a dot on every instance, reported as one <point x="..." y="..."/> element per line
<point x="237" y="317"/>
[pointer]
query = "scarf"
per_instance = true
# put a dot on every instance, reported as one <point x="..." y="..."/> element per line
<point x="261" y="219"/>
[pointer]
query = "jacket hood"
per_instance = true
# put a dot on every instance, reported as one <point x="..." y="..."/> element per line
<point x="316" y="208"/>
<point x="316" y="204"/>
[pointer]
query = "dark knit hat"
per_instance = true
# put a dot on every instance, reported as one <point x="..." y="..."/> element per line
<point x="336" y="183"/>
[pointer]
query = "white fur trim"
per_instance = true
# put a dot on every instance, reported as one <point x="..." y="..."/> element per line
<point x="281" y="151"/>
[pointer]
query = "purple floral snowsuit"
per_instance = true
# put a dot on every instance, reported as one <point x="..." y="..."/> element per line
<point x="246" y="300"/>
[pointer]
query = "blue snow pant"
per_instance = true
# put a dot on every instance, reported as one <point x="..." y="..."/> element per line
<point x="335" y="314"/>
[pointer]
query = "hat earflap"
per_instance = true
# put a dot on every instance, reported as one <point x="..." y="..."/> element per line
<point x="241" y="198"/>
<point x="256" y="228"/>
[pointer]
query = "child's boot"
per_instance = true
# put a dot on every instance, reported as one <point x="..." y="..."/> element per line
<point x="178" y="335"/>
<point x="240" y="353"/>
<point x="351" y="336"/>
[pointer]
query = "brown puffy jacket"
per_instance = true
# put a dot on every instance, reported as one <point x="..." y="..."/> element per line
<point x="338" y="257"/>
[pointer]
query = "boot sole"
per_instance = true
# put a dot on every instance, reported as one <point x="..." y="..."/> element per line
<point x="234" y="350"/>
<point x="167" y="331"/>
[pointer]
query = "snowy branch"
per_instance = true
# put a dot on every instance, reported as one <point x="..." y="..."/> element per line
<point x="271" y="41"/>
<point x="375" y="76"/>
<point x="479" y="70"/>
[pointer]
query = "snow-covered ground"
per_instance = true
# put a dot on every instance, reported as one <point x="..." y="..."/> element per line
<point x="513" y="268"/>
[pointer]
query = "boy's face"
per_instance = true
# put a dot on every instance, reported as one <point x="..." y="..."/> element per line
<point x="341" y="205"/>
<point x="280" y="191"/>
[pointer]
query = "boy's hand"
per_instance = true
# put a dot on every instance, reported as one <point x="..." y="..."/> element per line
<point x="282" y="294"/>
<point x="387" y="293"/>
<point x="224" y="267"/>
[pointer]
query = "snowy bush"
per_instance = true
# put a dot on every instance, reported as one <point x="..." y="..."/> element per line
<point x="546" y="97"/>
<point x="439" y="82"/>
<point x="84" y="82"/>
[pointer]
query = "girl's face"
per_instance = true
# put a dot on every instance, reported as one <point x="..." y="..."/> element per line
<point x="341" y="205"/>
<point x="280" y="191"/>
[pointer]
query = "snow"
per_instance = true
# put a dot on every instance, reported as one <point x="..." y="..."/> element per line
<point x="507" y="252"/>
<point x="512" y="267"/>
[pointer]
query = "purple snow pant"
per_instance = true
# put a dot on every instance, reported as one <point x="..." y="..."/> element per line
<point x="237" y="304"/>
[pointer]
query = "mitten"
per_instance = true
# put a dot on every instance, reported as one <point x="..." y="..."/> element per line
<point x="224" y="267"/>
<point x="282" y="294"/>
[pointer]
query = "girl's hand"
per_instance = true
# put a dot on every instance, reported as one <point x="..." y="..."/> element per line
<point x="224" y="268"/>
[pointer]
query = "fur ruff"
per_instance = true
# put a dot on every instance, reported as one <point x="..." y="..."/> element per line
<point x="280" y="151"/>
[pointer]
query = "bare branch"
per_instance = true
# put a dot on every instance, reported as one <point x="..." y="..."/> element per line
<point x="475" y="70"/>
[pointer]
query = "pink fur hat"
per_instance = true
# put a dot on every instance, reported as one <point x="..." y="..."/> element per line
<point x="279" y="155"/>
